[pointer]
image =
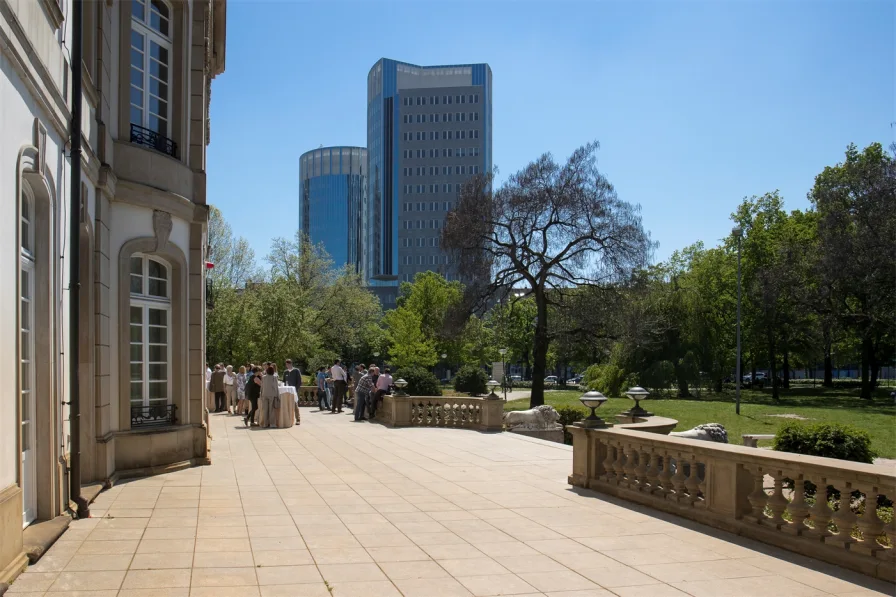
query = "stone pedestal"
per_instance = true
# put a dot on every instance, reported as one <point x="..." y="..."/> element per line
<point x="551" y="435"/>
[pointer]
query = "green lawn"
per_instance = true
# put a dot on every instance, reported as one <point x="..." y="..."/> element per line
<point x="877" y="417"/>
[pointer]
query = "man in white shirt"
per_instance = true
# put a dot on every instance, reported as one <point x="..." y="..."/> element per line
<point x="337" y="373"/>
<point x="383" y="384"/>
<point x="209" y="395"/>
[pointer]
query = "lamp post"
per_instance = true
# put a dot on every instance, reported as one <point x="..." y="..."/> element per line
<point x="376" y="358"/>
<point x="739" y="233"/>
<point x="503" y="352"/>
<point x="444" y="364"/>
<point x="637" y="394"/>
<point x="592" y="400"/>
<point x="491" y="385"/>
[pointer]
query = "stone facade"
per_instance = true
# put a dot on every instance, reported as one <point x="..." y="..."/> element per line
<point x="147" y="68"/>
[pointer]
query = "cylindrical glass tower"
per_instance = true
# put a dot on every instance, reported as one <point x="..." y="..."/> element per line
<point x="332" y="189"/>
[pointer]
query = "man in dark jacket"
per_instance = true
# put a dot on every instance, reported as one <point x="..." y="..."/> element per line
<point x="217" y="386"/>
<point x="293" y="377"/>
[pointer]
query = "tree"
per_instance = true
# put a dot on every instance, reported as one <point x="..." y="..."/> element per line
<point x="856" y="203"/>
<point x="550" y="228"/>
<point x="233" y="258"/>
<point x="408" y="345"/>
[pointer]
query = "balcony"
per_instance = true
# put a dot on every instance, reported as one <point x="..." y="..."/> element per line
<point x="149" y="138"/>
<point x="153" y="415"/>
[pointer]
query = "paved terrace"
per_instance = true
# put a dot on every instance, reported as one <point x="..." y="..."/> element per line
<point x="355" y="509"/>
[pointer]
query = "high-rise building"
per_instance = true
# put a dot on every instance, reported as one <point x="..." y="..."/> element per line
<point x="333" y="184"/>
<point x="429" y="128"/>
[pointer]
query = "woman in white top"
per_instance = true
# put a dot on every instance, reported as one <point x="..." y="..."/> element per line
<point x="230" y="389"/>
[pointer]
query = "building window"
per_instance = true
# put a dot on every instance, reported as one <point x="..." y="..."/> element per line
<point x="27" y="380"/>
<point x="150" y="65"/>
<point x="150" y="331"/>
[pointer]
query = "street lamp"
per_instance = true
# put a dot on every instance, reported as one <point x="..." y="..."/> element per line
<point x="491" y="385"/>
<point x="503" y="352"/>
<point x="739" y="233"/>
<point x="376" y="358"/>
<point x="637" y="394"/>
<point x="401" y="384"/>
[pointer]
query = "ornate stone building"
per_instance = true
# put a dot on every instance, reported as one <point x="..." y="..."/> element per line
<point x="146" y="80"/>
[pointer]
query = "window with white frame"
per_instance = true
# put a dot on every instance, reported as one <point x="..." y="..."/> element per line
<point x="150" y="331"/>
<point x="151" y="33"/>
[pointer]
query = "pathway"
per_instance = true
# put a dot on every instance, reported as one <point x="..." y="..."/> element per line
<point x="366" y="511"/>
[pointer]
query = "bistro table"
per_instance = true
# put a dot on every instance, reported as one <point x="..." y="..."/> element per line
<point x="284" y="416"/>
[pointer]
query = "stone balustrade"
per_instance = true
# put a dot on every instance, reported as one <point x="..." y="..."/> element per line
<point x="442" y="411"/>
<point x="308" y="396"/>
<point x="821" y="507"/>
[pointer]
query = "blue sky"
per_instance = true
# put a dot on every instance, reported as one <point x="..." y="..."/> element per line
<point x="695" y="104"/>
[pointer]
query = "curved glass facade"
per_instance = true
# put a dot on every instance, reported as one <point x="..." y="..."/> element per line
<point x="332" y="192"/>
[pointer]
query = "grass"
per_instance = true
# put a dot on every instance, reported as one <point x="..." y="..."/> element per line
<point x="842" y="405"/>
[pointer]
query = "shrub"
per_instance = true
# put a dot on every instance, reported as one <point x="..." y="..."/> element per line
<point x="470" y="380"/>
<point x="608" y="379"/>
<point x="421" y="382"/>
<point x="568" y="416"/>
<point x="830" y="440"/>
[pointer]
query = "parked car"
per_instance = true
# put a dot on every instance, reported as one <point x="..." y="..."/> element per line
<point x="574" y="380"/>
<point x="550" y="380"/>
<point x="516" y="378"/>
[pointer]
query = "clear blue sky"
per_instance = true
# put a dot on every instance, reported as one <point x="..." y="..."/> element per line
<point x="695" y="104"/>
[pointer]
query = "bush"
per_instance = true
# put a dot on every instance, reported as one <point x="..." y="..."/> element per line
<point x="608" y="379"/>
<point x="830" y="440"/>
<point x="568" y="416"/>
<point x="421" y="382"/>
<point x="470" y="380"/>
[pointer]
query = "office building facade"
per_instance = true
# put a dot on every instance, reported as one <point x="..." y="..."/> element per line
<point x="333" y="184"/>
<point x="429" y="129"/>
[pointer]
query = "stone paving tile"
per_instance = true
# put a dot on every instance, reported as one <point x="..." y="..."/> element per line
<point x="425" y="513"/>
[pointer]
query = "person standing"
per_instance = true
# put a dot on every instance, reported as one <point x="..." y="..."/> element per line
<point x="383" y="383"/>
<point x="253" y="391"/>
<point x="293" y="378"/>
<point x="240" y="385"/>
<point x="363" y="391"/>
<point x="270" y="391"/>
<point x="218" y="387"/>
<point x="209" y="395"/>
<point x="339" y="384"/>
<point x="230" y="389"/>
<point x="323" y="399"/>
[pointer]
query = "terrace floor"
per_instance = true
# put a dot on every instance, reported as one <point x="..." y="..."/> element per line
<point x="337" y="508"/>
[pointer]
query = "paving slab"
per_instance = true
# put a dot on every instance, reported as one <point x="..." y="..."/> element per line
<point x="338" y="508"/>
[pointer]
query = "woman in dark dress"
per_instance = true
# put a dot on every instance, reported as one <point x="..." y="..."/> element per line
<point x="253" y="393"/>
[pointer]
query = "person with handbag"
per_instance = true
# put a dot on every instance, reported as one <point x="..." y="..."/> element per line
<point x="270" y="393"/>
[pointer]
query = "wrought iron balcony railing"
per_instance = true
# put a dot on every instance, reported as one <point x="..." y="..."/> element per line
<point x="153" y="415"/>
<point x="149" y="138"/>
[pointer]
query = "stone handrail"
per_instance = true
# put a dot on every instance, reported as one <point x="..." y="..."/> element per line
<point x="308" y="396"/>
<point x="723" y="485"/>
<point x="442" y="411"/>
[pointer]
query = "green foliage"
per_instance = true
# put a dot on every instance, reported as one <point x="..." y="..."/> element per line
<point x="830" y="440"/>
<point x="608" y="379"/>
<point x="408" y="345"/>
<point x="421" y="382"/>
<point x="471" y="380"/>
<point x="658" y="376"/>
<point x="568" y="416"/>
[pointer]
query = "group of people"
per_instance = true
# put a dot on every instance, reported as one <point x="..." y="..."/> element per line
<point x="239" y="393"/>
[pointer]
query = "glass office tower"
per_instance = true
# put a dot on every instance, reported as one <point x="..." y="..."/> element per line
<point x="332" y="187"/>
<point x="429" y="128"/>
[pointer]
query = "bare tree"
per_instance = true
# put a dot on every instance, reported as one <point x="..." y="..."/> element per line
<point x="234" y="258"/>
<point x="549" y="229"/>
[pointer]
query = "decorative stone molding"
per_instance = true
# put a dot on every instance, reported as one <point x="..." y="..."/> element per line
<point x="40" y="142"/>
<point x="442" y="411"/>
<point x="161" y="225"/>
<point x="747" y="491"/>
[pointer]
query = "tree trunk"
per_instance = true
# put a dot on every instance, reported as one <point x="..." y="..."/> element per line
<point x="717" y="385"/>
<point x="828" y="361"/>
<point x="867" y="355"/>
<point x="773" y="373"/>
<point x="875" y="364"/>
<point x="785" y="369"/>
<point x="540" y="351"/>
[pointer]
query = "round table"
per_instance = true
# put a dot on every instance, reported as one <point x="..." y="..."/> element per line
<point x="284" y="416"/>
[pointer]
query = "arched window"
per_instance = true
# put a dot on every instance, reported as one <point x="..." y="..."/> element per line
<point x="26" y="383"/>
<point x="151" y="33"/>
<point x="150" y="331"/>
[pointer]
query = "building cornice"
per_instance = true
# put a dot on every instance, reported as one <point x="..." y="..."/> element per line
<point x="141" y="195"/>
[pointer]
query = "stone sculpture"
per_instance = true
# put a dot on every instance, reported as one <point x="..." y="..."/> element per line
<point x="540" y="418"/>
<point x="712" y="432"/>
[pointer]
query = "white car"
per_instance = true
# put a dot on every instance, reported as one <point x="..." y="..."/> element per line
<point x="550" y="380"/>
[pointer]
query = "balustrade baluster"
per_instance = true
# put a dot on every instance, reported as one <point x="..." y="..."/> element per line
<point x="777" y="503"/>
<point x="757" y="497"/>
<point x="820" y="512"/>
<point x="641" y="472"/>
<point x="609" y="475"/>
<point x="630" y="469"/>
<point x="666" y="475"/>
<point x="619" y="464"/>
<point x="692" y="483"/>
<point x="678" y="480"/>
<point x="871" y="526"/>
<point x="798" y="509"/>
<point x="843" y="517"/>
<point x="653" y="473"/>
